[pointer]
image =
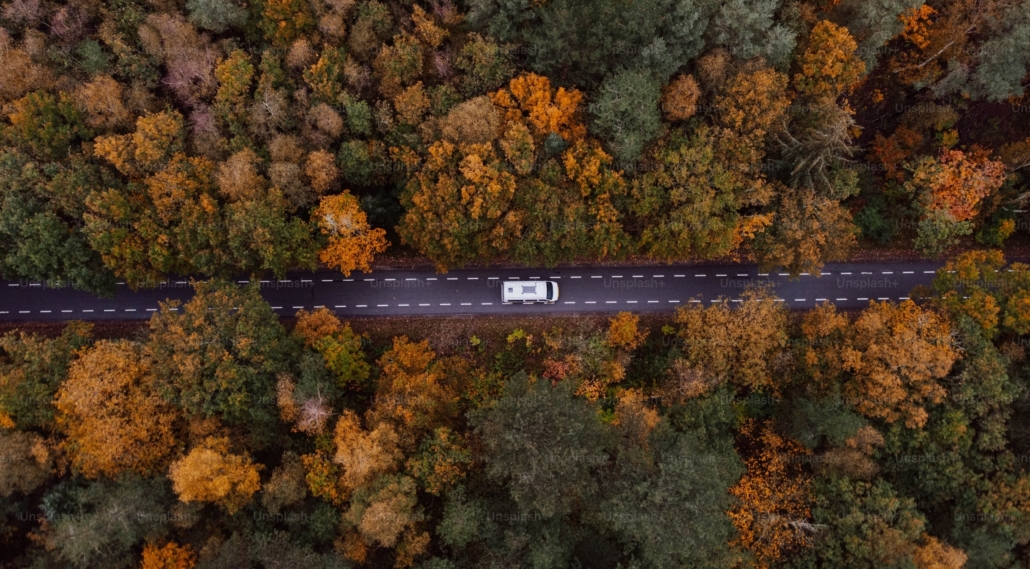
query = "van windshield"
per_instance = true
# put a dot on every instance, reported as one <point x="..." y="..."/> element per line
<point x="550" y="291"/>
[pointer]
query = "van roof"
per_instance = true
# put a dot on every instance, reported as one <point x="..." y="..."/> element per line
<point x="524" y="290"/>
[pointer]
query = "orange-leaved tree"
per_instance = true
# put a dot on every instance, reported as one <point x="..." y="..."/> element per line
<point x="897" y="354"/>
<point x="825" y="333"/>
<point x="515" y="177"/>
<point x="773" y="516"/>
<point x="170" y="556"/>
<point x="956" y="181"/>
<point x="530" y="99"/>
<point x="113" y="416"/>
<point x="624" y="332"/>
<point x="210" y="473"/>
<point x="364" y="454"/>
<point x="417" y="392"/>
<point x="721" y="343"/>
<point x="352" y="244"/>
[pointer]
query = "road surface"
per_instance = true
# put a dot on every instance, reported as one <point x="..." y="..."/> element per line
<point x="477" y="291"/>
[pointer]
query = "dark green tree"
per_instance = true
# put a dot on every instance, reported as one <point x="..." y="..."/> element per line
<point x="584" y="41"/>
<point x="216" y="15"/>
<point x="626" y="113"/>
<point x="655" y="495"/>
<point x="100" y="524"/>
<point x="543" y="443"/>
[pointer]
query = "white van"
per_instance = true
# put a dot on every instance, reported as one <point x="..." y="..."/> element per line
<point x="529" y="292"/>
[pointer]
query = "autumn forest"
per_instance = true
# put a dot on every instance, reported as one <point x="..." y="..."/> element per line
<point x="146" y="139"/>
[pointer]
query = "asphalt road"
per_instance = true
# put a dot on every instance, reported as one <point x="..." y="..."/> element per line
<point x="477" y="291"/>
